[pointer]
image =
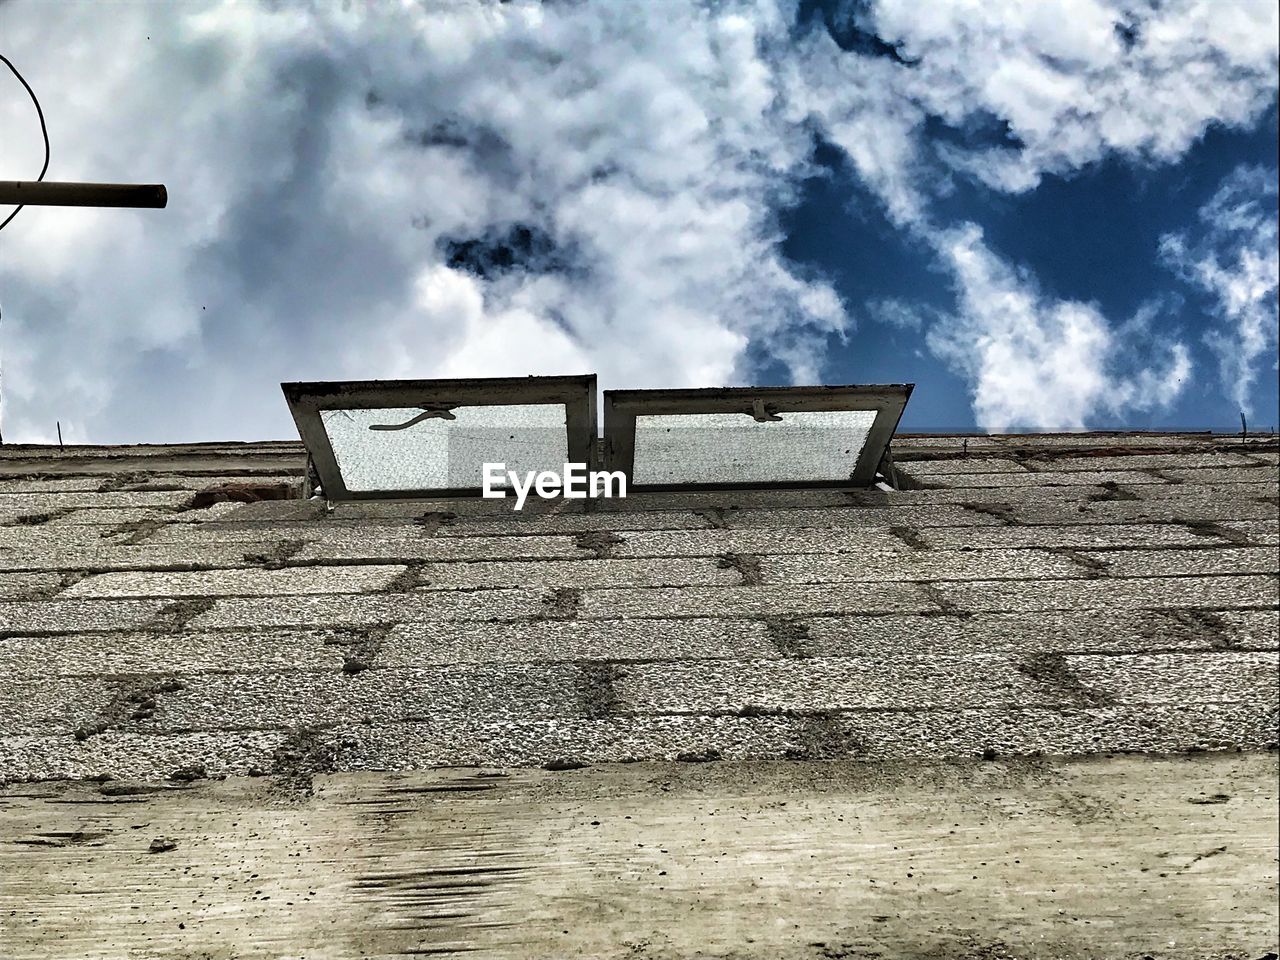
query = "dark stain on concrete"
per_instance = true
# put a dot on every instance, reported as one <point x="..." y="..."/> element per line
<point x="596" y="693"/>
<point x="189" y="773"/>
<point x="433" y="520"/>
<point x="1001" y="511"/>
<point x="747" y="565"/>
<point x="134" y="531"/>
<point x="823" y="738"/>
<point x="134" y="701"/>
<point x="1210" y="626"/>
<point x="1052" y="671"/>
<point x="566" y="763"/>
<point x="360" y="647"/>
<point x="561" y="604"/>
<point x="910" y="536"/>
<point x="715" y="517"/>
<point x="599" y="542"/>
<point x="947" y="606"/>
<point x="39" y="519"/>
<point x="277" y="556"/>
<point x="175" y="616"/>
<point x="1092" y="566"/>
<point x="410" y="578"/>
<point x="788" y="634"/>
<point x="1208" y="529"/>
<point x="130" y="480"/>
<point x="305" y="753"/>
<point x="1112" y="491"/>
<point x="705" y="755"/>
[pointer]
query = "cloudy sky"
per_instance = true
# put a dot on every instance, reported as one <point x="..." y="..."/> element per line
<point x="1057" y="215"/>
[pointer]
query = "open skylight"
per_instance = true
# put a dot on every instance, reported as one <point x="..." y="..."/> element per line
<point x="406" y="438"/>
<point x="748" y="436"/>
<point x="416" y="438"/>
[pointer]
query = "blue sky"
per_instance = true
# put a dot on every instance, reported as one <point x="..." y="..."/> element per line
<point x="1093" y="235"/>
<point x="1058" y="215"/>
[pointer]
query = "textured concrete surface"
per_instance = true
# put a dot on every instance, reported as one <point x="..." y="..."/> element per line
<point x="1032" y="598"/>
<point x="128" y="617"/>
<point x="1119" y="858"/>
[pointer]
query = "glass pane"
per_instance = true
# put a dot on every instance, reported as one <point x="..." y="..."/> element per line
<point x="735" y="448"/>
<point x="437" y="453"/>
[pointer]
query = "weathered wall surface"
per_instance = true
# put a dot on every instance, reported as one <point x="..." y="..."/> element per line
<point x="950" y="646"/>
<point x="1056" y="595"/>
<point x="1129" y="857"/>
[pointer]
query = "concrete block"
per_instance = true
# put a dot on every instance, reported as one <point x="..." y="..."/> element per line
<point x="24" y="586"/>
<point x="1190" y="490"/>
<point x="100" y="517"/>
<point x="52" y="502"/>
<point x="927" y="682"/>
<point x="76" y="615"/>
<point x="1080" y="731"/>
<point x="951" y="466"/>
<point x="1178" y="679"/>
<point x="576" y="573"/>
<point x="139" y="757"/>
<point x="421" y="548"/>
<point x="103" y="555"/>
<point x="531" y="742"/>
<point x="1144" y="511"/>
<point x="1150" y="461"/>
<point x="94" y="654"/>
<point x="1203" y="561"/>
<point x="213" y="583"/>
<point x="1155" y="593"/>
<point x="1268" y="475"/>
<point x="519" y="524"/>
<point x="1046" y="631"/>
<point x="1252" y="629"/>
<point x="1259" y="532"/>
<point x="753" y="602"/>
<point x="51" y="706"/>
<point x="376" y="696"/>
<point x="577" y="640"/>
<point x="328" y="532"/>
<point x="1039" y="478"/>
<point x="360" y="610"/>
<point x="918" y="565"/>
<point x="1074" y="537"/>
<point x="906" y="515"/>
<point x="757" y="541"/>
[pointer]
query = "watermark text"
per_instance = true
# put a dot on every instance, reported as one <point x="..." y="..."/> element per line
<point x="575" y="483"/>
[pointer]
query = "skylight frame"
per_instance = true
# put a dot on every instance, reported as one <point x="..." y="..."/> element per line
<point x="622" y="407"/>
<point x="307" y="400"/>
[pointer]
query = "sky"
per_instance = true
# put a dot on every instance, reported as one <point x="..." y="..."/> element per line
<point x="1048" y="216"/>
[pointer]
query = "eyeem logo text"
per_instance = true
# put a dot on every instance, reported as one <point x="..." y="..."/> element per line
<point x="576" y="483"/>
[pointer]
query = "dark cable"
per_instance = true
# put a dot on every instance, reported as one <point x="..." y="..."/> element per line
<point x="44" y="130"/>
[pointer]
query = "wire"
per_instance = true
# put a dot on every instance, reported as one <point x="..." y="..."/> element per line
<point x="44" y="130"/>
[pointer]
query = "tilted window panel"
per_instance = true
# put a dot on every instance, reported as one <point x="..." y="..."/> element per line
<point x="396" y="439"/>
<point x="751" y="436"/>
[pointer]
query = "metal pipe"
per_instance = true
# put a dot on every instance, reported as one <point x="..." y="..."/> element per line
<point x="43" y="193"/>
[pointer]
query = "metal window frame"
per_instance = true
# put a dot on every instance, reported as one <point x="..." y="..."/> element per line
<point x="308" y="399"/>
<point x="621" y="407"/>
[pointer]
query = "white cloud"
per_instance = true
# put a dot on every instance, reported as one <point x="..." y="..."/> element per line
<point x="322" y="160"/>
<point x="1067" y="82"/>
<point x="1075" y="80"/>
<point x="1035" y="362"/>
<point x="1232" y="255"/>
